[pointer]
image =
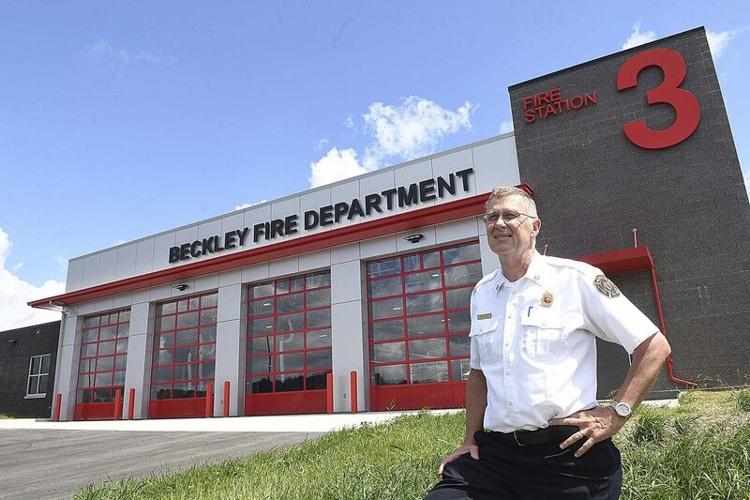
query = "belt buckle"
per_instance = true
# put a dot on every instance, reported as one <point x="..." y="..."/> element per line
<point x="515" y="437"/>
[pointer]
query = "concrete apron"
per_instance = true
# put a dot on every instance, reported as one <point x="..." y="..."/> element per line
<point x="273" y="423"/>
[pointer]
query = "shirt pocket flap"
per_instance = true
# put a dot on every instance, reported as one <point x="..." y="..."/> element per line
<point x="543" y="318"/>
<point x="484" y="326"/>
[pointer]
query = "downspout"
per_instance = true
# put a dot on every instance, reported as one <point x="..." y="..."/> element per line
<point x="663" y="327"/>
<point x="662" y="324"/>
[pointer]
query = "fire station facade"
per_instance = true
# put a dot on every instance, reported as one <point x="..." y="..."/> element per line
<point x="270" y="309"/>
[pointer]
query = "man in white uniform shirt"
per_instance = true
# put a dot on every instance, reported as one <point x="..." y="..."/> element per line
<point x="534" y="429"/>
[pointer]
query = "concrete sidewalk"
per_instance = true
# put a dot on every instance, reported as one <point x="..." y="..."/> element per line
<point x="279" y="423"/>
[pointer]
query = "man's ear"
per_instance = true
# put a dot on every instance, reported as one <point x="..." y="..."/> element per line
<point x="536" y="226"/>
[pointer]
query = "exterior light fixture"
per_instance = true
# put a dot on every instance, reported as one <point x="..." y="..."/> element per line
<point x="414" y="238"/>
<point x="181" y="287"/>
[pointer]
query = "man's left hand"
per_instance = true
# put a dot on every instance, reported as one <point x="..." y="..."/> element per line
<point x="596" y="424"/>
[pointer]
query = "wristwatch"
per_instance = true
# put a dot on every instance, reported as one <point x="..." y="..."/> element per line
<point x="622" y="409"/>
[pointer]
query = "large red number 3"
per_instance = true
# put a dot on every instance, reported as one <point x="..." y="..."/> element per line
<point x="685" y="104"/>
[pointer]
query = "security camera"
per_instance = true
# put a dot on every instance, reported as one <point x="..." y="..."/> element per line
<point x="414" y="238"/>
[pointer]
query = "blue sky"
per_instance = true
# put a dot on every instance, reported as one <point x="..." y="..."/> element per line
<point x="119" y="120"/>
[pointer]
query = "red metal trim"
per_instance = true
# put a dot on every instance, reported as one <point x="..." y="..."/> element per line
<point x="269" y="357"/>
<point x="88" y="366"/>
<point x="178" y="408"/>
<point x="445" y="335"/>
<point x="663" y="327"/>
<point x="58" y="407"/>
<point x="131" y="403"/>
<point x="94" y="411"/>
<point x="637" y="258"/>
<point x="417" y="396"/>
<point x="329" y="393"/>
<point x="118" y="404"/>
<point x="620" y="261"/>
<point x="226" y="397"/>
<point x="195" y="305"/>
<point x="286" y="403"/>
<point x="209" y="399"/>
<point x="353" y="389"/>
<point x="445" y="212"/>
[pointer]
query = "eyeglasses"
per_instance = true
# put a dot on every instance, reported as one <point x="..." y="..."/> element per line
<point x="508" y="217"/>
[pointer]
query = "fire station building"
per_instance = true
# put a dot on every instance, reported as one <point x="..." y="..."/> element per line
<point x="271" y="309"/>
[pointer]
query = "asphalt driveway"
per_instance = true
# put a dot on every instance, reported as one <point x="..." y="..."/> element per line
<point x="51" y="464"/>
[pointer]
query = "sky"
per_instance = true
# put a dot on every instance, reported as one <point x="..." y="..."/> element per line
<point x="123" y="119"/>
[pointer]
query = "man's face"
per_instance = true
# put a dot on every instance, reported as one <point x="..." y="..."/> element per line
<point x="513" y="233"/>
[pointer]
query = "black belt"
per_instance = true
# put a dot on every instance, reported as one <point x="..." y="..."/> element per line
<point x="553" y="433"/>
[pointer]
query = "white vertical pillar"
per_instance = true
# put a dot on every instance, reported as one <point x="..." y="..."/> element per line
<point x="230" y="350"/>
<point x="348" y="334"/>
<point x="140" y="351"/>
<point x="66" y="371"/>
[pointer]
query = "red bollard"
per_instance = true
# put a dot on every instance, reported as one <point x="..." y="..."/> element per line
<point x="131" y="403"/>
<point x="118" y="403"/>
<point x="226" y="398"/>
<point x="329" y="393"/>
<point x="209" y="399"/>
<point x="58" y="407"/>
<point x="353" y="389"/>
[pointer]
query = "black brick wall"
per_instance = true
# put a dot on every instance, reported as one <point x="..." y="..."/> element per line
<point x="688" y="202"/>
<point x="16" y="348"/>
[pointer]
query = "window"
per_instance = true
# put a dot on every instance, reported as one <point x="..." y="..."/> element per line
<point x="419" y="315"/>
<point x="104" y="351"/>
<point x="38" y="376"/>
<point x="289" y="334"/>
<point x="184" y="347"/>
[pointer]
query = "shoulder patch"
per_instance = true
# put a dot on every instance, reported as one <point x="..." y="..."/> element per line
<point x="605" y="286"/>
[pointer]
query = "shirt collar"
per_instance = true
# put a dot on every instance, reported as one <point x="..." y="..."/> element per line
<point x="536" y="272"/>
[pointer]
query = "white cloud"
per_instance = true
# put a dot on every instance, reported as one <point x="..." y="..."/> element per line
<point x="243" y="206"/>
<point x="410" y="129"/>
<point x="334" y="166"/>
<point x="506" y="126"/>
<point x="14" y="293"/>
<point x="105" y="50"/>
<point x="718" y="41"/>
<point x="638" y="37"/>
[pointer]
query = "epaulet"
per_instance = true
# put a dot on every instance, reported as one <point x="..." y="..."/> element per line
<point x="485" y="279"/>
<point x="576" y="265"/>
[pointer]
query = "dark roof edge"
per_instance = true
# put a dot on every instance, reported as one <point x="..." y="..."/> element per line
<point x="637" y="47"/>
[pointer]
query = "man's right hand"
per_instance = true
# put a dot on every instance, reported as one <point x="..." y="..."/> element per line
<point x="471" y="449"/>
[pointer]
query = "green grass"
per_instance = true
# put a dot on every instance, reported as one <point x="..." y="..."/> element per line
<point x="699" y="450"/>
<point x="4" y="415"/>
<point x="742" y="400"/>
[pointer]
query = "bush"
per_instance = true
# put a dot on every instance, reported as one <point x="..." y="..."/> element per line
<point x="649" y="428"/>
<point x="742" y="399"/>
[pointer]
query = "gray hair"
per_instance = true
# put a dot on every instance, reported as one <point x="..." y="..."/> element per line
<point x="500" y="192"/>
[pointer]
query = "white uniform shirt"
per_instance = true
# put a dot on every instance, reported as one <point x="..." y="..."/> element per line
<point x="534" y="340"/>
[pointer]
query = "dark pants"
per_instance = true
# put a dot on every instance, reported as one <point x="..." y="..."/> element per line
<point x="506" y="470"/>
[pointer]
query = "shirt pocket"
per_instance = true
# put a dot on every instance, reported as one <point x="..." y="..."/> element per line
<point x="542" y="333"/>
<point x="485" y="334"/>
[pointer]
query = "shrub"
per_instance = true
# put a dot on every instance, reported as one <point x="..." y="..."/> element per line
<point x="742" y="399"/>
<point x="649" y="428"/>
